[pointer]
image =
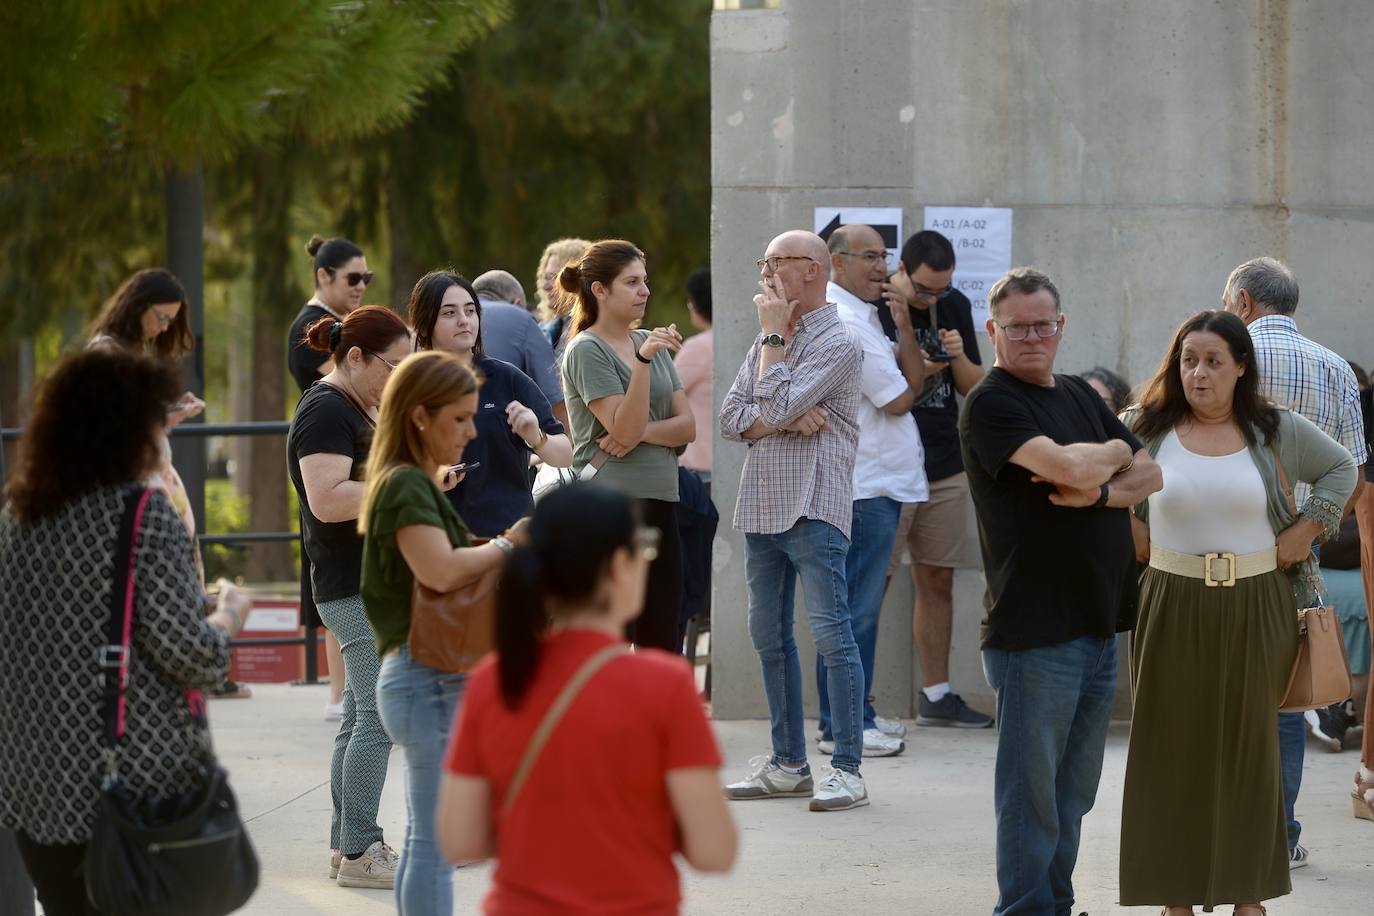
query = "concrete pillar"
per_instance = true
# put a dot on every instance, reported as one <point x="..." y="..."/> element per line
<point x="1146" y="149"/>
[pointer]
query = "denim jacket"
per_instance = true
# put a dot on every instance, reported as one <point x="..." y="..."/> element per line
<point x="1308" y="455"/>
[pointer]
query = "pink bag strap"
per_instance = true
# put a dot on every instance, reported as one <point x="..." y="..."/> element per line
<point x="114" y="654"/>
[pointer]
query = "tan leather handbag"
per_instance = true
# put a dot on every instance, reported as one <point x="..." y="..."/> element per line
<point x="1321" y="671"/>
<point x="451" y="631"/>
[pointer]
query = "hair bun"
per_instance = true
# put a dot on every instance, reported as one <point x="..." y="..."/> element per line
<point x="314" y="245"/>
<point x="570" y="277"/>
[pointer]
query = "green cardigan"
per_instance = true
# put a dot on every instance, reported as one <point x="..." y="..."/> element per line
<point x="1309" y="455"/>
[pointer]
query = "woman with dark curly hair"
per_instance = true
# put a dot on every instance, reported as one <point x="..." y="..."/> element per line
<point x="58" y="533"/>
<point x="1112" y="388"/>
<point x="1230" y="562"/>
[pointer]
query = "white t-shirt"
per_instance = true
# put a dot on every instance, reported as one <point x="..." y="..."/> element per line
<point x="890" y="461"/>
<point x="1209" y="504"/>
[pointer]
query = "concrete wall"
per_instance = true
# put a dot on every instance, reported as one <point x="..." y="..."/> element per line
<point x="1146" y="148"/>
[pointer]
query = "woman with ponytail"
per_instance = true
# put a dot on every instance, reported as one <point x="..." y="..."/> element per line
<point x="571" y="835"/>
<point x="341" y="278"/>
<point x="412" y="534"/>
<point x="327" y="450"/>
<point x="628" y="413"/>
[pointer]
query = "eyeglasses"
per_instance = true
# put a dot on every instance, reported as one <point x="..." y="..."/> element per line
<point x="1043" y="329"/>
<point x="390" y="366"/>
<point x="869" y="257"/>
<point x="355" y="277"/>
<point x="164" y="320"/>
<point x="774" y="260"/>
<point x="927" y="293"/>
<point x="646" y="541"/>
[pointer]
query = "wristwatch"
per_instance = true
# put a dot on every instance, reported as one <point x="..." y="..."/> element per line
<point x="774" y="340"/>
<point x="1102" y="499"/>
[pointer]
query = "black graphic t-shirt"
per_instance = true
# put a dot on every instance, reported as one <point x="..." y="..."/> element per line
<point x="938" y="417"/>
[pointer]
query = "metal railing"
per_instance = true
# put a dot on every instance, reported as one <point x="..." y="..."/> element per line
<point x="310" y="641"/>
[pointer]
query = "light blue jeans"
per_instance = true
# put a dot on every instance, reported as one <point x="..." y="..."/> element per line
<point x="815" y="551"/>
<point x="417" y="705"/>
<point x="1053" y="708"/>
<point x="873" y="528"/>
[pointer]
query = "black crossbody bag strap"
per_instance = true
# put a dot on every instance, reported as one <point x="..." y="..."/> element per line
<point x="114" y="654"/>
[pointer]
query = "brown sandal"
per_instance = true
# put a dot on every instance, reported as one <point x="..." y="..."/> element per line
<point x="1359" y="798"/>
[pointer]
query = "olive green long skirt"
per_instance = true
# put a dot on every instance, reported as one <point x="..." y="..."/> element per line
<point x="1202" y="818"/>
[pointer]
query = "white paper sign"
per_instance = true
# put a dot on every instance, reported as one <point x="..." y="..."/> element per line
<point x="982" y="249"/>
<point x="887" y="220"/>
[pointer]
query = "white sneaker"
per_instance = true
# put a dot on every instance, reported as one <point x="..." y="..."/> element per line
<point x="892" y="727"/>
<point x="876" y="744"/>
<point x="840" y="790"/>
<point x="374" y="868"/>
<point x="770" y="781"/>
<point x="335" y="857"/>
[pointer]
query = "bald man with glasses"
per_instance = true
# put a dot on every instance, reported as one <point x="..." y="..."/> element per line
<point x="794" y="403"/>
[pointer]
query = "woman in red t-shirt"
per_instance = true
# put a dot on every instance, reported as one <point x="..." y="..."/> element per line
<point x="627" y="775"/>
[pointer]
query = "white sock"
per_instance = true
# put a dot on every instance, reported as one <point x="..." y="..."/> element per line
<point x="936" y="693"/>
<point x="795" y="771"/>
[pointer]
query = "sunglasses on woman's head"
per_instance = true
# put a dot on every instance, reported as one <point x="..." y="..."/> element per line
<point x="355" y="277"/>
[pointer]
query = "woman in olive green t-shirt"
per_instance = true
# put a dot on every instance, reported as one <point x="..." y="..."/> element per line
<point x="410" y="531"/>
<point x="624" y="399"/>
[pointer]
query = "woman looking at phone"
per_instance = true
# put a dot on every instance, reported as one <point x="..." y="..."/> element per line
<point x="628" y="412"/>
<point x="569" y="838"/>
<point x="412" y="534"/>
<point x="327" y="449"/>
<point x="514" y="419"/>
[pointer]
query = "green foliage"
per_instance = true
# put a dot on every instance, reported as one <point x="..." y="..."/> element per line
<point x="199" y="82"/>
<point x="226" y="512"/>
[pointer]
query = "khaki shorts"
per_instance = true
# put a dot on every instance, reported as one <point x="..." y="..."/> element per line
<point x="932" y="533"/>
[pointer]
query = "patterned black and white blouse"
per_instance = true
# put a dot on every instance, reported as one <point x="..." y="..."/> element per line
<point x="54" y="604"/>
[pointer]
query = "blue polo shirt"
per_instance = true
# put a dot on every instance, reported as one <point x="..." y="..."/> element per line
<point x="493" y="496"/>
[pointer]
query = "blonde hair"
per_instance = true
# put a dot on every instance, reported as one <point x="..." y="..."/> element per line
<point x="564" y="250"/>
<point x="432" y="379"/>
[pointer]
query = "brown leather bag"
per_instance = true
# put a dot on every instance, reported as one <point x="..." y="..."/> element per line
<point x="1321" y="671"/>
<point x="451" y="631"/>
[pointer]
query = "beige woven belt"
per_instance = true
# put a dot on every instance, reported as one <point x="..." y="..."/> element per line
<point x="1216" y="569"/>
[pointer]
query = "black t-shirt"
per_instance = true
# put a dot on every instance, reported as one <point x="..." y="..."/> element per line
<point x="1054" y="574"/>
<point x="938" y="417"/>
<point x="328" y="423"/>
<point x="493" y="496"/>
<point x="303" y="362"/>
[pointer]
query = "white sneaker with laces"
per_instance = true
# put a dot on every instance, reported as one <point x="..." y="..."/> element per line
<point x="840" y="790"/>
<point x="374" y="868"/>
<point x="876" y="744"/>
<point x="892" y="727"/>
<point x="769" y="780"/>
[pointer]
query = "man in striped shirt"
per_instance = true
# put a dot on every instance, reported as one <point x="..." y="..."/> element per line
<point x="795" y="403"/>
<point x="1306" y="377"/>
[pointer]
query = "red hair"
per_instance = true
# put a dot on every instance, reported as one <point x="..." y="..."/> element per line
<point x="371" y="329"/>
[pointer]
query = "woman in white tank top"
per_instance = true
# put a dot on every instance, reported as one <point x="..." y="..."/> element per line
<point x="1202" y="817"/>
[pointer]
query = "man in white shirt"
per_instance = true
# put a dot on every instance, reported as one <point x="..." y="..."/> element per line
<point x="889" y="469"/>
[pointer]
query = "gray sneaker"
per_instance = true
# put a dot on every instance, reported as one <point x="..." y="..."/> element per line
<point x="951" y="712"/>
<point x="374" y="868"/>
<point x="1297" y="857"/>
<point x="770" y="781"/>
<point x="840" y="790"/>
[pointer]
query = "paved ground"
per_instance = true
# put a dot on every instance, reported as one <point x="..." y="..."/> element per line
<point x="925" y="845"/>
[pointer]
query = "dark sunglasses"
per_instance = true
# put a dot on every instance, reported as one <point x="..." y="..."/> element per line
<point x="354" y="277"/>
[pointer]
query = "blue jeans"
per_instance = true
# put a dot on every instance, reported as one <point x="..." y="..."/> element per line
<point x="1053" y="708"/>
<point x="417" y="705"/>
<point x="873" y="528"/>
<point x="815" y="551"/>
<point x="1292" y="750"/>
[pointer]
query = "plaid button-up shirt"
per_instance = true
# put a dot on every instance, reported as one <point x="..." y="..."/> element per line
<point x="1306" y="377"/>
<point x="788" y="476"/>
